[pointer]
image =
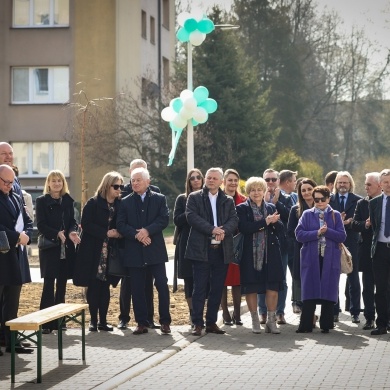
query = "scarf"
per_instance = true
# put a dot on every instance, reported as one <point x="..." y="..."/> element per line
<point x="259" y="238"/>
<point x="102" y="267"/>
<point x="321" y="239"/>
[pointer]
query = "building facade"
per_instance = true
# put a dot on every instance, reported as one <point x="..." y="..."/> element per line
<point x="50" y="51"/>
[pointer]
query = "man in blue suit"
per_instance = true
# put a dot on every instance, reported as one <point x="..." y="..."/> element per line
<point x="142" y="217"/>
<point x="379" y="208"/>
<point x="345" y="201"/>
<point x="14" y="268"/>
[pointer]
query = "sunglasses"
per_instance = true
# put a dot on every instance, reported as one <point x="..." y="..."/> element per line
<point x="197" y="177"/>
<point x="318" y="200"/>
<point x="6" y="182"/>
<point x="273" y="179"/>
<point x="118" y="186"/>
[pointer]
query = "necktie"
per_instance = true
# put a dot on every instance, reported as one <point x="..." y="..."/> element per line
<point x="387" y="218"/>
<point x="342" y="208"/>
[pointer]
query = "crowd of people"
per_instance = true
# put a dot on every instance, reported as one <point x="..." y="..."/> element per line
<point x="287" y="224"/>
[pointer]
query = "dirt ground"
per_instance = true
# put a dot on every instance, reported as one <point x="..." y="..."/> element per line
<point x="31" y="295"/>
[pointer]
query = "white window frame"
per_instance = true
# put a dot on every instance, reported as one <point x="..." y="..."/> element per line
<point x="34" y="92"/>
<point x="51" y="162"/>
<point x="31" y="24"/>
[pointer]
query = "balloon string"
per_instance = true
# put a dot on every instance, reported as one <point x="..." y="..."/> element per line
<point x="175" y="141"/>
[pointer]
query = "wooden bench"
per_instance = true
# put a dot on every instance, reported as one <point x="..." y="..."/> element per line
<point x="63" y="312"/>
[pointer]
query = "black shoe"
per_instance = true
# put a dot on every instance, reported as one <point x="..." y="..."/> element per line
<point x="1" y="352"/>
<point x="378" y="331"/>
<point x="355" y="319"/>
<point x="228" y="322"/>
<point x="299" y="330"/>
<point x="368" y="325"/>
<point x="388" y="326"/>
<point x="46" y="331"/>
<point x="152" y="325"/>
<point x="92" y="327"/>
<point x="236" y="321"/>
<point x="64" y="327"/>
<point x="122" y="325"/>
<point x="105" y="327"/>
<point x="324" y="330"/>
<point x="20" y="350"/>
<point x="335" y="318"/>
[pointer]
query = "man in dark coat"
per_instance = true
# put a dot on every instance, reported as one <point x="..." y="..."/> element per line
<point x="142" y="217"/>
<point x="344" y="200"/>
<point x="361" y="223"/>
<point x="380" y="251"/>
<point x="125" y="289"/>
<point x="213" y="220"/>
<point x="14" y="267"/>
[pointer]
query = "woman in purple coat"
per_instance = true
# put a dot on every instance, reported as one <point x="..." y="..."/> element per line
<point x="320" y="230"/>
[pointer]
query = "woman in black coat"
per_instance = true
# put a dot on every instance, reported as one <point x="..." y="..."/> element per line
<point x="194" y="182"/>
<point x="55" y="221"/>
<point x="98" y="223"/>
<point x="261" y="262"/>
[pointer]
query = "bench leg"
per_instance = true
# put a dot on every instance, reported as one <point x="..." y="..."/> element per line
<point x="13" y="338"/>
<point x="59" y="331"/>
<point x="83" y="334"/>
<point x="39" y="355"/>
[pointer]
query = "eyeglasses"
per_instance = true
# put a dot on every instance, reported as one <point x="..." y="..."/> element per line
<point x="118" y="186"/>
<point x="273" y="179"/>
<point x="318" y="200"/>
<point x="197" y="177"/>
<point x="7" y="182"/>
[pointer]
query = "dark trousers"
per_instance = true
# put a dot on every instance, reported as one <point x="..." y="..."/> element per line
<point x="214" y="271"/>
<point x="138" y="278"/>
<point x="125" y="298"/>
<point x="368" y="294"/>
<point x="98" y="298"/>
<point x="307" y="315"/>
<point x="381" y="267"/>
<point x="9" y="308"/>
<point x="51" y="298"/>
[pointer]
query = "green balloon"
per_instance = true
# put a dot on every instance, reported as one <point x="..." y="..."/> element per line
<point x="190" y="25"/>
<point x="176" y="104"/>
<point x="194" y="122"/>
<point x="183" y="35"/>
<point x="206" y="26"/>
<point x="201" y="94"/>
<point x="210" y="105"/>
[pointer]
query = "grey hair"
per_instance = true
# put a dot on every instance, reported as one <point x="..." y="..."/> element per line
<point x="351" y="181"/>
<point x="375" y="175"/>
<point x="143" y="171"/>
<point x="139" y="162"/>
<point x="216" y="169"/>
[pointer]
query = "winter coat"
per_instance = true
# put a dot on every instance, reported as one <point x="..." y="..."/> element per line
<point x="326" y="286"/>
<point x="200" y="218"/>
<point x="94" y="224"/>
<point x="151" y="214"/>
<point x="14" y="267"/>
<point x="248" y="226"/>
<point x="52" y="217"/>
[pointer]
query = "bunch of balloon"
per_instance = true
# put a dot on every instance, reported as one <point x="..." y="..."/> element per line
<point x="192" y="107"/>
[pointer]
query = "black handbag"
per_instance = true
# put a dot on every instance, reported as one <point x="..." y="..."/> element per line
<point x="45" y="243"/>
<point x="4" y="244"/>
<point x="115" y="264"/>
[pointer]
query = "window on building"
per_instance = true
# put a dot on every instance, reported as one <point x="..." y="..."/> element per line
<point x="39" y="158"/>
<point x="143" y="24"/>
<point x="165" y="72"/>
<point x="152" y="30"/>
<point x="40" y="13"/>
<point x="165" y="13"/>
<point x="40" y="85"/>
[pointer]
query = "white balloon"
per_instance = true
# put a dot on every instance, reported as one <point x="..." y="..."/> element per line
<point x="197" y="38"/>
<point x="179" y="121"/>
<point x="186" y="94"/>
<point x="182" y="18"/>
<point x="186" y="113"/>
<point x="197" y="14"/>
<point x="190" y="104"/>
<point x="201" y="115"/>
<point x="168" y="114"/>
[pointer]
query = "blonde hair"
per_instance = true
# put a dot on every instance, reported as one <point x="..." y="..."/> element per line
<point x="350" y="179"/>
<point x="108" y="180"/>
<point x="56" y="173"/>
<point x="255" y="182"/>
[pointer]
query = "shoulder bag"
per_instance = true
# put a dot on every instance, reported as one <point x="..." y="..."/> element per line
<point x="345" y="257"/>
<point x="45" y="243"/>
<point x="115" y="264"/>
<point x="4" y="244"/>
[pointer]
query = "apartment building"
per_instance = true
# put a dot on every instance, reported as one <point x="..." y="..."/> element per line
<point x="51" y="50"/>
